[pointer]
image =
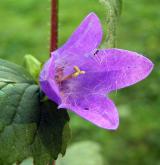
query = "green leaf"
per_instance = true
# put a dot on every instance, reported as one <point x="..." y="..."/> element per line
<point x="28" y="127"/>
<point x="19" y="116"/>
<point x="33" y="66"/>
<point x="113" y="8"/>
<point x="13" y="73"/>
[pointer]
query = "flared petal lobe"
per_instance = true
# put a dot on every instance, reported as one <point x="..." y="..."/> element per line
<point x="47" y="81"/>
<point x="97" y="109"/>
<point x="124" y="67"/>
<point x="109" y="70"/>
<point x="85" y="39"/>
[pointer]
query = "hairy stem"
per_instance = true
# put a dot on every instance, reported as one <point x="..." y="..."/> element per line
<point x="54" y="25"/>
<point x="54" y="29"/>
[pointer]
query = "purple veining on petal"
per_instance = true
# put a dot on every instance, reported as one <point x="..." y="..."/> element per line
<point x="105" y="71"/>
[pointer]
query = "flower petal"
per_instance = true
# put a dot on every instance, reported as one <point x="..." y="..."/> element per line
<point x="124" y="67"/>
<point x="96" y="109"/>
<point x="109" y="70"/>
<point x="47" y="82"/>
<point x="85" y="39"/>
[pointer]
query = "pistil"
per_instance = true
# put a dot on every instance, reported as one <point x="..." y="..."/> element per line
<point x="74" y="75"/>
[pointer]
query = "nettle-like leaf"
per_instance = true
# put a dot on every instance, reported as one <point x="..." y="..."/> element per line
<point x="28" y="126"/>
<point x="113" y="8"/>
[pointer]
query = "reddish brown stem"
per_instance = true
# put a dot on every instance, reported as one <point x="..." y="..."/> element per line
<point x="54" y="25"/>
<point x="54" y="29"/>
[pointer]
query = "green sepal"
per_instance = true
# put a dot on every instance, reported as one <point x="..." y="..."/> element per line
<point x="33" y="66"/>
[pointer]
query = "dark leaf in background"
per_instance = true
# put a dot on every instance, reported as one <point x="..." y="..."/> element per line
<point x="53" y="134"/>
<point x="28" y="127"/>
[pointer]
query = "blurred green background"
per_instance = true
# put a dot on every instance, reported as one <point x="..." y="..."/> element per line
<point x="24" y="29"/>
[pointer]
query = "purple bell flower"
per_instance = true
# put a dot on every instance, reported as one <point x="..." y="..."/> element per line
<point x="79" y="77"/>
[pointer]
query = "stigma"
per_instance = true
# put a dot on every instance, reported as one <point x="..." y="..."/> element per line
<point x="75" y="74"/>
